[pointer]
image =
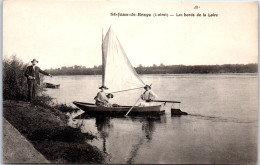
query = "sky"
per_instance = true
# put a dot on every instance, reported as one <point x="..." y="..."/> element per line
<point x="67" y="33"/>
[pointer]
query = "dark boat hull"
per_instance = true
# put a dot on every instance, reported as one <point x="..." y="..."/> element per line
<point x="120" y="110"/>
<point x="53" y="86"/>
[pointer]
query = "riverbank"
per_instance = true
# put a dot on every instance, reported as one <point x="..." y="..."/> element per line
<point x="47" y="131"/>
<point x="17" y="149"/>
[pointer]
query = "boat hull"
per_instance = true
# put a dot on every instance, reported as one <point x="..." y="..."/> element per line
<point x="53" y="86"/>
<point x="120" y="110"/>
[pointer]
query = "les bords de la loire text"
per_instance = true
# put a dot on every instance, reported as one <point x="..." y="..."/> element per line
<point x="164" y="14"/>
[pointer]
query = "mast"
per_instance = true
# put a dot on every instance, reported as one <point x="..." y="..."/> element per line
<point x="103" y="60"/>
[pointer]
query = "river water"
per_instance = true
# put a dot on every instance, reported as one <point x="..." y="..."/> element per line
<point x="221" y="128"/>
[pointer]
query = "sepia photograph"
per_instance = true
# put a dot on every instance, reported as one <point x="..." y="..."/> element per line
<point x="129" y="82"/>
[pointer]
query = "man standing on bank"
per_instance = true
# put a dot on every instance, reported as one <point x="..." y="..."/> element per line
<point x="33" y="79"/>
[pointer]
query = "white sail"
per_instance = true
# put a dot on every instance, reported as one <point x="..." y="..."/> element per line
<point x="118" y="73"/>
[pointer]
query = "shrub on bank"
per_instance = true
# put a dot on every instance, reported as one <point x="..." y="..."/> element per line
<point x="15" y="86"/>
<point x="14" y="82"/>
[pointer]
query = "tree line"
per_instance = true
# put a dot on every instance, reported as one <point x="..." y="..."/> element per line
<point x="163" y="69"/>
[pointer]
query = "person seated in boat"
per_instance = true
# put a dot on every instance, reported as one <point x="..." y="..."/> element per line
<point x="147" y="96"/>
<point x="109" y="96"/>
<point x="102" y="99"/>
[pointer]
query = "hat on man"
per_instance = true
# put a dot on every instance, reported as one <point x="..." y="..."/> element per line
<point x="34" y="60"/>
<point x="103" y="86"/>
<point x="147" y="86"/>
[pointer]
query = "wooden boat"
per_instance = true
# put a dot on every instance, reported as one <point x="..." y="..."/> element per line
<point x="49" y="85"/>
<point x="93" y="109"/>
<point x="119" y="76"/>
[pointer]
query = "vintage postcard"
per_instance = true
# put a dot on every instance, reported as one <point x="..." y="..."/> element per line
<point x="127" y="82"/>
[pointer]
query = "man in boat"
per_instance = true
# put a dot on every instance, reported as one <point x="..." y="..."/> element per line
<point x="102" y="99"/>
<point x="32" y="74"/>
<point x="147" y="96"/>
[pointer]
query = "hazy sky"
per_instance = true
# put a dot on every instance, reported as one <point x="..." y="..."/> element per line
<point x="65" y="32"/>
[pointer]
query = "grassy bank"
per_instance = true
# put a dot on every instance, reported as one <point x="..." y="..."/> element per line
<point x="42" y="122"/>
<point x="46" y="129"/>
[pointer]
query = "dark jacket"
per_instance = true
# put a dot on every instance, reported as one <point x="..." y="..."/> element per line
<point x="34" y="73"/>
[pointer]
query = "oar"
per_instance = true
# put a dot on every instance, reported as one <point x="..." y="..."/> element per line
<point x="132" y="107"/>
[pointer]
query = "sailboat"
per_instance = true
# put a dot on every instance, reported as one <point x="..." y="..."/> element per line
<point x="118" y="75"/>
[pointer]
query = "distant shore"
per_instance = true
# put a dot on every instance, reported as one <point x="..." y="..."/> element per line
<point x="187" y="74"/>
<point x="47" y="130"/>
<point x="163" y="69"/>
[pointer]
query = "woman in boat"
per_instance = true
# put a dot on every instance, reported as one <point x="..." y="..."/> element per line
<point x="147" y="96"/>
<point x="102" y="99"/>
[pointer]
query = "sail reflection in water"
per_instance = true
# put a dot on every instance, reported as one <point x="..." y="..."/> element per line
<point x="109" y="139"/>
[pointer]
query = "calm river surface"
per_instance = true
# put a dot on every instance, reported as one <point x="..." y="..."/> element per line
<point x="221" y="128"/>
